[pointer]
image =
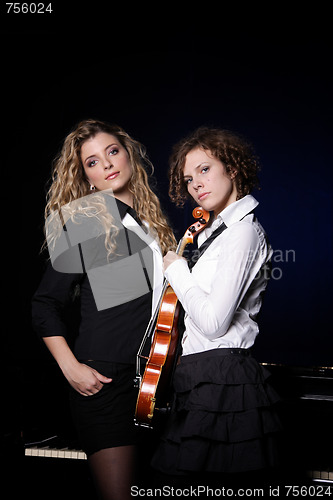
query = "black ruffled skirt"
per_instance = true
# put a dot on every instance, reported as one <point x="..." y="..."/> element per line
<point x="223" y="418"/>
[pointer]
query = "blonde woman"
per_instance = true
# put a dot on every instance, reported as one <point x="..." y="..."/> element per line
<point x="106" y="236"/>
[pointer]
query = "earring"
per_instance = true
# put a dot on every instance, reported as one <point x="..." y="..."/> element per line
<point x="92" y="188"/>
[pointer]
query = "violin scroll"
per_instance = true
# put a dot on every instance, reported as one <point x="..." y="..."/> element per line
<point x="201" y="214"/>
<point x="203" y="218"/>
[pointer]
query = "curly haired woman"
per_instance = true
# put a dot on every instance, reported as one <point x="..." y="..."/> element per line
<point x="106" y="236"/>
<point x="223" y="421"/>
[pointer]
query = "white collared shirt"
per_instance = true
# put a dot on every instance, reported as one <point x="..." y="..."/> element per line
<point x="223" y="293"/>
<point x="153" y="243"/>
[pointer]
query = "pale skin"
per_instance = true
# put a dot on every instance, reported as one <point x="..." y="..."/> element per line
<point x="209" y="184"/>
<point x="106" y="165"/>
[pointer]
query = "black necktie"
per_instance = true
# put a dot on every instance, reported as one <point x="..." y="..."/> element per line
<point x="205" y="245"/>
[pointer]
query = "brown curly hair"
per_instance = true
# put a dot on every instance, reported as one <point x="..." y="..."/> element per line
<point x="232" y="150"/>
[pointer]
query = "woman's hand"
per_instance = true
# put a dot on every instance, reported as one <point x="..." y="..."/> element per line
<point x="85" y="379"/>
<point x="81" y="377"/>
<point x="169" y="258"/>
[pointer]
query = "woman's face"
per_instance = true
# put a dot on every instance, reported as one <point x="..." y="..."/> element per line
<point x="107" y="165"/>
<point x="208" y="182"/>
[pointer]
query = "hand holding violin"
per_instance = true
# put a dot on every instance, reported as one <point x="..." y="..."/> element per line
<point x="169" y="258"/>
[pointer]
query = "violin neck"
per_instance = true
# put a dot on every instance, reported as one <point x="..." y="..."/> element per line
<point x="181" y="246"/>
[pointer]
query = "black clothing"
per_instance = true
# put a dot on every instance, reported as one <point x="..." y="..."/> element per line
<point x="105" y="333"/>
<point x="105" y="419"/>
<point x="223" y="418"/>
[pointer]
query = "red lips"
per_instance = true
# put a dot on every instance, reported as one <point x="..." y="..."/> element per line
<point x="111" y="176"/>
<point x="202" y="195"/>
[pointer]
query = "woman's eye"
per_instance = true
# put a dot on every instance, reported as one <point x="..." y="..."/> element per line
<point x="92" y="163"/>
<point x="205" y="169"/>
<point x="187" y="181"/>
<point x="113" y="151"/>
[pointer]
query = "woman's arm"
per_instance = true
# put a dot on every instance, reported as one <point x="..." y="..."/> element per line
<point x="237" y="266"/>
<point x="48" y="304"/>
<point x="81" y="377"/>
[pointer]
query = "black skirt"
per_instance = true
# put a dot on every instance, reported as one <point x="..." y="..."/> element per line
<point x="106" y="419"/>
<point x="223" y="418"/>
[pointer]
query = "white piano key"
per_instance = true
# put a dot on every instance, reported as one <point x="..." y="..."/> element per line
<point x="47" y="452"/>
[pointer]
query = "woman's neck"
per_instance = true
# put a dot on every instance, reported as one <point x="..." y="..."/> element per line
<point x="125" y="197"/>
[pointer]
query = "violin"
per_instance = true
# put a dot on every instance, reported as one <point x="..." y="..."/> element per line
<point x="154" y="383"/>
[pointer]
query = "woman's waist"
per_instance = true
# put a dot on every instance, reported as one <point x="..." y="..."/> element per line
<point x="194" y="342"/>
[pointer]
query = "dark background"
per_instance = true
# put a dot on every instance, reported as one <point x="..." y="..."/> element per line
<point x="159" y="72"/>
<point x="263" y="74"/>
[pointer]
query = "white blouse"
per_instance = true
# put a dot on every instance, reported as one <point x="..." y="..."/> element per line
<point x="223" y="293"/>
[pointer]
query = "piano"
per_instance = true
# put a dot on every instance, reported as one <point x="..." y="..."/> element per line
<point x="40" y="450"/>
<point x="306" y="411"/>
<point x="53" y="447"/>
<point x="45" y="439"/>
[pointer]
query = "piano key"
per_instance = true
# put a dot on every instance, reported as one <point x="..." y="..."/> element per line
<point x="321" y="475"/>
<point x="47" y="452"/>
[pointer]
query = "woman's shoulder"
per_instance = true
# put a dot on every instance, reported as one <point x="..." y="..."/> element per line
<point x="246" y="228"/>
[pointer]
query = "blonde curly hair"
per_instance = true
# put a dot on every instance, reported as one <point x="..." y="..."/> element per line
<point x="69" y="183"/>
